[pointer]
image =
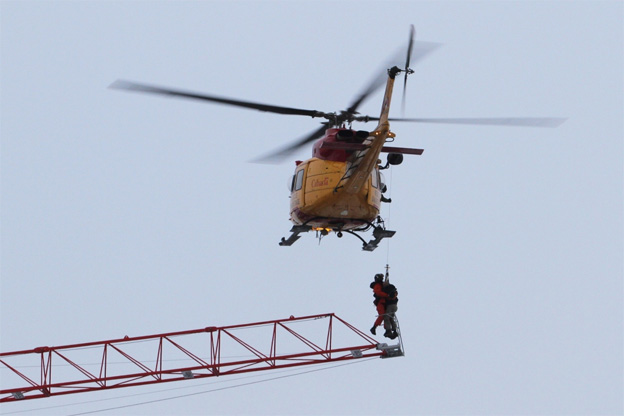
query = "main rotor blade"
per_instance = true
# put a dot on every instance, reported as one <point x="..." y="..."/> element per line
<point x="281" y="154"/>
<point x="492" y="121"/>
<point x="419" y="51"/>
<point x="132" y="86"/>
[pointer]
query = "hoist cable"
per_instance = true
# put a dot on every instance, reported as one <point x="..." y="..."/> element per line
<point x="387" y="221"/>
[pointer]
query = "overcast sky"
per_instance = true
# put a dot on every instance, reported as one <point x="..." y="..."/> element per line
<point x="128" y="214"/>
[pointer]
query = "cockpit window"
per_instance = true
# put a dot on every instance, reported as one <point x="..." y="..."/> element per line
<point x="291" y="183"/>
<point x="299" y="180"/>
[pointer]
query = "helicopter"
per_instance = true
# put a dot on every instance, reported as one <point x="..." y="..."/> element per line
<point x="340" y="188"/>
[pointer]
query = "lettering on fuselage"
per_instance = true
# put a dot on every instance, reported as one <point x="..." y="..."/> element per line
<point x="320" y="182"/>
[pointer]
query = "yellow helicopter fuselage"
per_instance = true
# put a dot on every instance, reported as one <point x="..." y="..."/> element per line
<point x="339" y="188"/>
<point x="318" y="200"/>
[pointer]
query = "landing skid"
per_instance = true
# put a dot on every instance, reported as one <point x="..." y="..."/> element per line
<point x="379" y="233"/>
<point x="295" y="230"/>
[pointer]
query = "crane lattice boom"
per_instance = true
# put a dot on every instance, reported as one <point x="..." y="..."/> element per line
<point x="206" y="352"/>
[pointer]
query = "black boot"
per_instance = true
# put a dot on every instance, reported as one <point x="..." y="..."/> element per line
<point x="374" y="330"/>
<point x="388" y="334"/>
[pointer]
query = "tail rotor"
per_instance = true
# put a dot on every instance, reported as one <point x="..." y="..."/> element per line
<point x="407" y="69"/>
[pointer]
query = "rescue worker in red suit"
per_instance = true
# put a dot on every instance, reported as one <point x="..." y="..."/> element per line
<point x="380" y="300"/>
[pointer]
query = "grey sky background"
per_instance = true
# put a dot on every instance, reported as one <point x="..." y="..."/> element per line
<point x="127" y="214"/>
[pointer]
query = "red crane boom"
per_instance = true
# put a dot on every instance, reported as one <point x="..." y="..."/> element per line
<point x="49" y="371"/>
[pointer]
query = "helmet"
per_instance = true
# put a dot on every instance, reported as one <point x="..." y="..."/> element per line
<point x="379" y="277"/>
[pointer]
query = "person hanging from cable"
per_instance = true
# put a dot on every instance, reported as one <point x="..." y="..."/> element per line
<point x="380" y="300"/>
<point x="391" y="307"/>
<point x="386" y="301"/>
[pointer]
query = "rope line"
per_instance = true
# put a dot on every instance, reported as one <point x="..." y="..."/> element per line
<point x="215" y="390"/>
<point x="183" y="395"/>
